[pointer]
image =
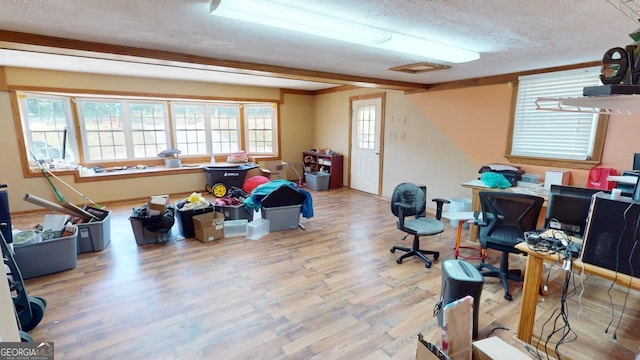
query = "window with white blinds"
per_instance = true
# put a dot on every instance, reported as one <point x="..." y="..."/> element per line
<point x="554" y="134"/>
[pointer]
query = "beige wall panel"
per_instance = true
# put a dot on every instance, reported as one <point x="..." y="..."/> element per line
<point x="69" y="80"/>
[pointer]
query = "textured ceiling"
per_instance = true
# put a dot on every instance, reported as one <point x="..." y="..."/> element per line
<point x="510" y="35"/>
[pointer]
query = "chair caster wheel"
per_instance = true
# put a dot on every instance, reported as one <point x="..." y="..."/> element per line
<point x="399" y="261"/>
<point x="508" y="297"/>
<point x="393" y="250"/>
<point x="427" y="265"/>
<point x="436" y="256"/>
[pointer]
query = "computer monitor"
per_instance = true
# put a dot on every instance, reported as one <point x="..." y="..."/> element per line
<point x="636" y="161"/>
<point x="568" y="208"/>
<point x="611" y="239"/>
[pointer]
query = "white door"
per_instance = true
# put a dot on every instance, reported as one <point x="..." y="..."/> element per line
<point x="366" y="120"/>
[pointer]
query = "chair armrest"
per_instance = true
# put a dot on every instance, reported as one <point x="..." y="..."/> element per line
<point x="401" y="208"/>
<point x="439" y="203"/>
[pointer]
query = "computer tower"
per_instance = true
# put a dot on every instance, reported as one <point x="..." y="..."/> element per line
<point x="5" y="215"/>
<point x="459" y="279"/>
<point x="610" y="240"/>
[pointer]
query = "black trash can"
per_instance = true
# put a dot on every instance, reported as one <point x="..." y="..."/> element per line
<point x="5" y="214"/>
<point x="459" y="279"/>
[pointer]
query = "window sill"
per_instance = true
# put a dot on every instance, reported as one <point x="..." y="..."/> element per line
<point x="569" y="164"/>
<point x="133" y="172"/>
<point x="128" y="173"/>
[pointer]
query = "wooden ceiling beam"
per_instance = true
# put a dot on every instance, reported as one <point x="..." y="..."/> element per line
<point x="79" y="48"/>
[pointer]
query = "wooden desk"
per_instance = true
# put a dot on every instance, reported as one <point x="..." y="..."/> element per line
<point x="533" y="279"/>
<point x="476" y="186"/>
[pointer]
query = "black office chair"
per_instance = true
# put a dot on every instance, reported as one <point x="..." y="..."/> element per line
<point x="408" y="204"/>
<point x="506" y="216"/>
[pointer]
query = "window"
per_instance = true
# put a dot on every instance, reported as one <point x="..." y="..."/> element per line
<point x="47" y="125"/>
<point x="565" y="136"/>
<point x="134" y="129"/>
<point x="366" y="126"/>
<point x="121" y="130"/>
<point x="190" y="128"/>
<point x="260" y="123"/>
<point x="225" y="128"/>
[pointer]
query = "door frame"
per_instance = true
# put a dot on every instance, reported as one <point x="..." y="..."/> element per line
<point x="382" y="96"/>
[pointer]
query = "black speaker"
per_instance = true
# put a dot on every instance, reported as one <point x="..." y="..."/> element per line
<point x="459" y="279"/>
<point x="610" y="241"/>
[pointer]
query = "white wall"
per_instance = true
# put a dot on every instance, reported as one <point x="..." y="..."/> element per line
<point x="425" y="156"/>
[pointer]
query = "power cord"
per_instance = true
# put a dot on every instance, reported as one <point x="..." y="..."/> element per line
<point x="560" y="316"/>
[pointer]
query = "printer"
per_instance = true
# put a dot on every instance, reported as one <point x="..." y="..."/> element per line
<point x="512" y="173"/>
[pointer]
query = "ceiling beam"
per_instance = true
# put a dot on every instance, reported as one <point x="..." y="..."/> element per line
<point x="79" y="48"/>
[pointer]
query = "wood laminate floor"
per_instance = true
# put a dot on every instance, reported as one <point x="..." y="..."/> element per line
<point x="332" y="291"/>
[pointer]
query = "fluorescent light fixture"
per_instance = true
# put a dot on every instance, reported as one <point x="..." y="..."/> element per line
<point x="310" y="22"/>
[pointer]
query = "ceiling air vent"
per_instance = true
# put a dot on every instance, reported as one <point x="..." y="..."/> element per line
<point x="419" y="67"/>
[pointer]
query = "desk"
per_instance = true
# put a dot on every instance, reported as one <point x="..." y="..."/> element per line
<point x="533" y="279"/>
<point x="476" y="186"/>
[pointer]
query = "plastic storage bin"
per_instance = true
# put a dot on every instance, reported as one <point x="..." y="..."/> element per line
<point x="317" y="181"/>
<point x="144" y="236"/>
<point x="234" y="212"/>
<point x="282" y="217"/>
<point x="257" y="229"/>
<point x="184" y="218"/>
<point x="234" y="228"/>
<point x="47" y="257"/>
<point x="94" y="235"/>
<point x="152" y="229"/>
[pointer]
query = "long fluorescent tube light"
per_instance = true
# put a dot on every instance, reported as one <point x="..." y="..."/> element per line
<point x="314" y="23"/>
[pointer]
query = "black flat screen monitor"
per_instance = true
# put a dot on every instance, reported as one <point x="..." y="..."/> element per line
<point x="636" y="161"/>
<point x="568" y="208"/>
<point x="611" y="239"/>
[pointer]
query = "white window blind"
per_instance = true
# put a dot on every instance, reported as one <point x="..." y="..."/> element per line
<point x="554" y="134"/>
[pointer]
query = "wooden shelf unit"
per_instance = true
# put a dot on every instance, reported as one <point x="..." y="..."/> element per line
<point x="331" y="163"/>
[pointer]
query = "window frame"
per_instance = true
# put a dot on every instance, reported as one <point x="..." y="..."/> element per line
<point x="26" y="134"/>
<point x="75" y="119"/>
<point x="597" y="147"/>
<point x="247" y="132"/>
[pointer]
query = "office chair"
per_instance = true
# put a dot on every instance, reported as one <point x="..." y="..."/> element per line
<point x="410" y="200"/>
<point x="506" y="216"/>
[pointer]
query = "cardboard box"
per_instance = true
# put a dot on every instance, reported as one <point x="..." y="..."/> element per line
<point x="208" y="226"/>
<point x="494" y="348"/>
<point x="157" y="205"/>
<point x="556" y="177"/>
<point x="277" y="168"/>
<point x="258" y="171"/>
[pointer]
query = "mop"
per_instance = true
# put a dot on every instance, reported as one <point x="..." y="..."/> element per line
<point x="48" y="175"/>
<point x="300" y="184"/>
